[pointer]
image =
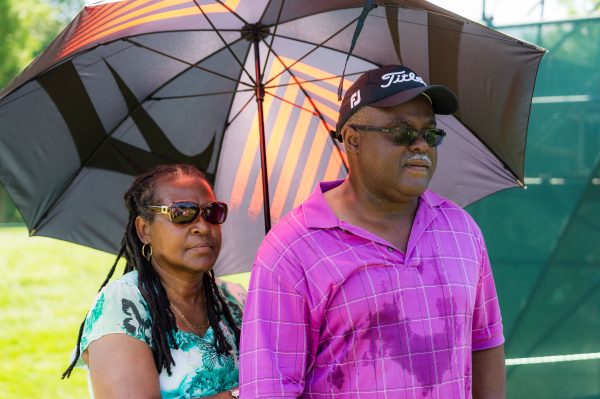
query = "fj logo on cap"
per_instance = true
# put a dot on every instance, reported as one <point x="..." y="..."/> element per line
<point x="400" y="77"/>
<point x="355" y="99"/>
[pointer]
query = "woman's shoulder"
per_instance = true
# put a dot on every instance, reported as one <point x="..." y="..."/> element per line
<point x="118" y="308"/>
<point x="126" y="280"/>
<point x="125" y="286"/>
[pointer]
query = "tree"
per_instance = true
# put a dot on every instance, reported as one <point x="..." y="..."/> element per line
<point x="580" y="8"/>
<point x="8" y="25"/>
<point x="27" y="27"/>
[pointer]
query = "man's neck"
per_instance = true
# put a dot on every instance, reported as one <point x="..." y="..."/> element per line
<point x="359" y="207"/>
<point x="351" y="203"/>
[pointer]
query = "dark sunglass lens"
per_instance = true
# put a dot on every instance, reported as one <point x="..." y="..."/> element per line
<point x="215" y="212"/>
<point x="185" y="212"/>
<point x="430" y="138"/>
<point x="434" y="137"/>
<point x="405" y="136"/>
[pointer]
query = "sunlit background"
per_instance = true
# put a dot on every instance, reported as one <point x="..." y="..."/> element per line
<point x="544" y="242"/>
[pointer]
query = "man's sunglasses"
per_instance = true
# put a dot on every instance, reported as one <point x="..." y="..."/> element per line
<point x="403" y="135"/>
<point x="184" y="212"/>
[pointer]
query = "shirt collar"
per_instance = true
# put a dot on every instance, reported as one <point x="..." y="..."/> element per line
<point x="432" y="199"/>
<point x="318" y="214"/>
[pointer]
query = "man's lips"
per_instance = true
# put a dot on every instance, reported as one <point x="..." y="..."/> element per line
<point x="417" y="163"/>
<point x="417" y="160"/>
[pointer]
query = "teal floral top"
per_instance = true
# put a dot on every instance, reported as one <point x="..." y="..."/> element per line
<point x="199" y="369"/>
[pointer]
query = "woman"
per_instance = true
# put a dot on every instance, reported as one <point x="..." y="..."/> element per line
<point x="166" y="328"/>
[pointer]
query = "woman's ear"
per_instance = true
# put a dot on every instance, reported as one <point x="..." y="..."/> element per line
<point x="142" y="227"/>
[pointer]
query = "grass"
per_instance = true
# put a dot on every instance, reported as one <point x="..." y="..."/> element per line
<point x="46" y="289"/>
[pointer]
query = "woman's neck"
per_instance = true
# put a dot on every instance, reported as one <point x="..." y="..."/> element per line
<point x="181" y="288"/>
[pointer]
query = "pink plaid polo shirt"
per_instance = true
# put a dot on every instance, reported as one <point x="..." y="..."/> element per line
<point x="334" y="311"/>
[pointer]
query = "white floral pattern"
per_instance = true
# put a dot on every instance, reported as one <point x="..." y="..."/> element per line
<point x="199" y="369"/>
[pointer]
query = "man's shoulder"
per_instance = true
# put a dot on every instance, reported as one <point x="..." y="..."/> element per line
<point x="291" y="241"/>
<point x="450" y="213"/>
<point x="290" y="230"/>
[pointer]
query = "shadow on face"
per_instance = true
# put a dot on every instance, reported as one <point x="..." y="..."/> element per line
<point x="187" y="248"/>
<point x="378" y="165"/>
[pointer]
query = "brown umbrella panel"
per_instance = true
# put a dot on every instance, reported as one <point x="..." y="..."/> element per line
<point x="130" y="84"/>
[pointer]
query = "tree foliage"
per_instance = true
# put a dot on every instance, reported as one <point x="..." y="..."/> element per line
<point x="26" y="28"/>
<point x="581" y="8"/>
<point x="8" y="25"/>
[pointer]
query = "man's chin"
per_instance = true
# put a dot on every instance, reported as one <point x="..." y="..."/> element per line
<point x="414" y="187"/>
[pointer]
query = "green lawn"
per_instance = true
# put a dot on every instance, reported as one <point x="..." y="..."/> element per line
<point x="46" y="289"/>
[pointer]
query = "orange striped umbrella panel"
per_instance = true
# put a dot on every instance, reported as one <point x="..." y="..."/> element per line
<point x="245" y="90"/>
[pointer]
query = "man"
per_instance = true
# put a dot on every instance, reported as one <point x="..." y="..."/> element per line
<point x="376" y="287"/>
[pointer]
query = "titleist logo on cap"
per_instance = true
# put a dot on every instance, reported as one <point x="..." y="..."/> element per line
<point x="388" y="86"/>
<point x="399" y="77"/>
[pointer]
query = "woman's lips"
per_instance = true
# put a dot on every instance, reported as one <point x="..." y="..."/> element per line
<point x="201" y="248"/>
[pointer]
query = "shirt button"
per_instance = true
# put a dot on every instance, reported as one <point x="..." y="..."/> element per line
<point x="390" y="249"/>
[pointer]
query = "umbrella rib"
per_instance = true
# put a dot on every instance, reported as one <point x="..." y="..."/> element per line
<point x="112" y="131"/>
<point x="240" y="111"/>
<point x="134" y="43"/>
<point x="319" y="114"/>
<point x="270" y="46"/>
<point x="315" y="113"/>
<point x="217" y="93"/>
<point x="195" y="65"/>
<point x="324" y="47"/>
<point x="231" y="11"/>
<point x="321" y="45"/>
<point x="313" y="80"/>
<point x="48" y="71"/>
<point x="225" y="42"/>
<point x="226" y="123"/>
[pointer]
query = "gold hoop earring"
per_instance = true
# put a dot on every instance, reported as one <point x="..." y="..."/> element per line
<point x="145" y="252"/>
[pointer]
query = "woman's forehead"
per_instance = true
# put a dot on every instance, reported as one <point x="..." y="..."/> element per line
<point x="177" y="185"/>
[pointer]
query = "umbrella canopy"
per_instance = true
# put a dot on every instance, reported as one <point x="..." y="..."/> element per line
<point x="247" y="92"/>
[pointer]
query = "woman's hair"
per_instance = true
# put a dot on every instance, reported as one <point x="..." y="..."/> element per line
<point x="140" y="194"/>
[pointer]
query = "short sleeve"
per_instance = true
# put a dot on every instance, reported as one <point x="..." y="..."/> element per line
<point x="487" y="320"/>
<point x="118" y="309"/>
<point x="276" y="345"/>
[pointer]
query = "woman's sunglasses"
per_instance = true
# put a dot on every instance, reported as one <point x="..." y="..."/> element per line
<point x="185" y="212"/>
<point x="402" y="135"/>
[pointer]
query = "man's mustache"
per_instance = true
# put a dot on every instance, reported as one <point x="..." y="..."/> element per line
<point x="418" y="157"/>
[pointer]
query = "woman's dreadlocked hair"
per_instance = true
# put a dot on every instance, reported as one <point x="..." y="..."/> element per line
<point x="140" y="194"/>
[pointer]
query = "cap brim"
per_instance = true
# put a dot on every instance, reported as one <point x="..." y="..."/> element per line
<point x="443" y="101"/>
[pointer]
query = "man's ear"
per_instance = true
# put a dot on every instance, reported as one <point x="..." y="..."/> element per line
<point x="142" y="227"/>
<point x="351" y="139"/>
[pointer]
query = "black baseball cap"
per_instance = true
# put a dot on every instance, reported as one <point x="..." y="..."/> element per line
<point x="392" y="85"/>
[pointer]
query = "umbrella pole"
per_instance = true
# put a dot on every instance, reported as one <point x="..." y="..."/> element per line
<point x="260" y="94"/>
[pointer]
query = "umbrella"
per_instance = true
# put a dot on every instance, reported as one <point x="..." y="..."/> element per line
<point x="247" y="92"/>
